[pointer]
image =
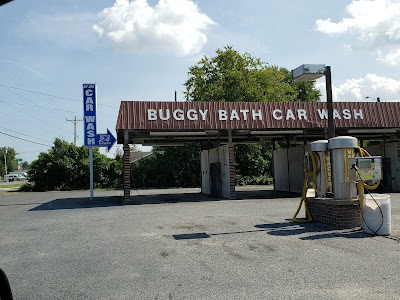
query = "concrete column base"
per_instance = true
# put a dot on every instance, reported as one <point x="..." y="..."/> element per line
<point x="337" y="213"/>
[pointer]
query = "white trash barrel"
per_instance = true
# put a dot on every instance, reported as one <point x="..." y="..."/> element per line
<point x="372" y="214"/>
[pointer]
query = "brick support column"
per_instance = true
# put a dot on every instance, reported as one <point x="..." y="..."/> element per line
<point x="232" y="169"/>
<point x="337" y="213"/>
<point x="127" y="174"/>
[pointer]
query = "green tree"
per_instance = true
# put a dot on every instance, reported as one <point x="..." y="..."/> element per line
<point x="66" y="167"/>
<point x="25" y="165"/>
<point x="168" y="167"/>
<point x="232" y="77"/>
<point x="9" y="154"/>
<point x="251" y="164"/>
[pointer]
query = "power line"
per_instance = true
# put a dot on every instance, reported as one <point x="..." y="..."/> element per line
<point x="32" y="116"/>
<point x="26" y="85"/>
<point x="44" y="99"/>
<point x="49" y="95"/>
<point x="36" y="92"/>
<point x="35" y="106"/>
<point x="24" y="139"/>
<point x="24" y="134"/>
<point x="32" y="125"/>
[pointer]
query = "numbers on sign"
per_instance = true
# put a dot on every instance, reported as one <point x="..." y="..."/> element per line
<point x="104" y="139"/>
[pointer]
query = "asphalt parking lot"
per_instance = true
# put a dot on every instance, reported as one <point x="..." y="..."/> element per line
<point x="180" y="245"/>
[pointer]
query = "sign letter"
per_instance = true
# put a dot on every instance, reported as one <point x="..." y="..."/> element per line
<point x="244" y="113"/>
<point x="274" y="114"/>
<point x="161" y="114"/>
<point x="192" y="114"/>
<point x="234" y="115"/>
<point x="336" y="114"/>
<point x="323" y="114"/>
<point x="290" y="115"/>
<point x="222" y="115"/>
<point x="151" y="114"/>
<point x="302" y="113"/>
<point x="178" y="114"/>
<point x="256" y="114"/>
<point x="203" y="114"/>
<point x="358" y="114"/>
<point x="346" y="114"/>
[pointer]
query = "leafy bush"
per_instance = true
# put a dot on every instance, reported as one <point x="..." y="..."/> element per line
<point x="168" y="167"/>
<point x="254" y="180"/>
<point x="66" y="167"/>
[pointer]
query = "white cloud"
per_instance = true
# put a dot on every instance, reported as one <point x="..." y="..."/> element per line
<point x="374" y="24"/>
<point x="173" y="26"/>
<point x="356" y="89"/>
<point x="392" y="57"/>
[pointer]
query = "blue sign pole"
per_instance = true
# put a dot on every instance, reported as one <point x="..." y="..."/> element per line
<point x="91" y="172"/>
<point x="89" y="119"/>
<point x="90" y="136"/>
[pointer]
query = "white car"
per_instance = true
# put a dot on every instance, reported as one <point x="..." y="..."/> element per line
<point x="11" y="177"/>
<point x="21" y="177"/>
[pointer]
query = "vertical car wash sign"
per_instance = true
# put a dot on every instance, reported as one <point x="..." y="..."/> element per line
<point x="89" y="114"/>
<point x="91" y="137"/>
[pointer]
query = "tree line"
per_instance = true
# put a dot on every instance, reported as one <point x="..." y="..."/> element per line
<point x="66" y="167"/>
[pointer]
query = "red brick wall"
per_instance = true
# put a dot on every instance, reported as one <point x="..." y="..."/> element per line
<point x="127" y="174"/>
<point x="337" y="215"/>
<point x="232" y="169"/>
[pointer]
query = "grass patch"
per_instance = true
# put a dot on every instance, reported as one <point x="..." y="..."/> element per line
<point x="10" y="185"/>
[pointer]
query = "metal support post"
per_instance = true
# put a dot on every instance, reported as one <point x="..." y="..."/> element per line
<point x="273" y="164"/>
<point x="331" y="123"/>
<point x="384" y="145"/>
<point x="91" y="171"/>
<point x="329" y="102"/>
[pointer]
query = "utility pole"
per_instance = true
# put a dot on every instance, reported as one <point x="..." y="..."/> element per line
<point x="175" y="95"/>
<point x="74" y="121"/>
<point x="5" y="159"/>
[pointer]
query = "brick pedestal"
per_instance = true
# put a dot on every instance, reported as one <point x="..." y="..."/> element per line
<point x="337" y="213"/>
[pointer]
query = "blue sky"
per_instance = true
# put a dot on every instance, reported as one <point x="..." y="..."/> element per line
<point x="141" y="50"/>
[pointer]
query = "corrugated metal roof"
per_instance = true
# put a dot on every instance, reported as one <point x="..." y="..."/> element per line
<point x="246" y="115"/>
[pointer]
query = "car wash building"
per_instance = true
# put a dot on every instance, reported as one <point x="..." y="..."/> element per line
<point x="218" y="126"/>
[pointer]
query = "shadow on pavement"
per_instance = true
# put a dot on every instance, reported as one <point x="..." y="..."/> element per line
<point x="191" y="236"/>
<point x="200" y="197"/>
<point x="74" y="203"/>
<point x="312" y="231"/>
<point x="84" y="202"/>
<point x="171" y="198"/>
<point x="264" y="194"/>
<point x="322" y="231"/>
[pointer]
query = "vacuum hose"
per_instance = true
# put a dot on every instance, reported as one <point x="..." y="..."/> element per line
<point x="313" y="173"/>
